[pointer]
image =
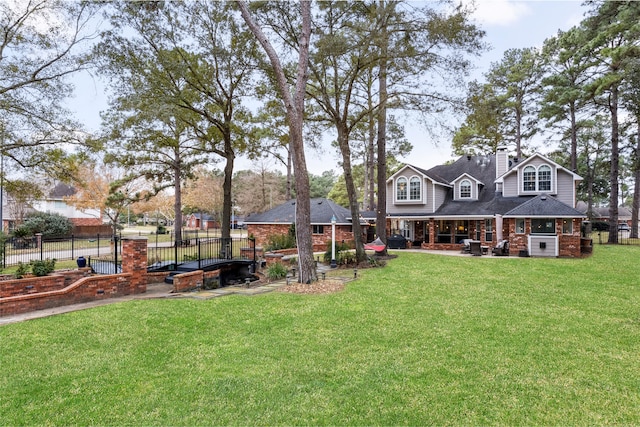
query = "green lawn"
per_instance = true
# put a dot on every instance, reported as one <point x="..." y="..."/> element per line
<point x="429" y="339"/>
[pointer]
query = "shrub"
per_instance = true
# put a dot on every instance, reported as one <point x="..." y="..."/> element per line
<point x="22" y="270"/>
<point x="280" y="241"/>
<point x="42" y="267"/>
<point x="22" y="231"/>
<point x="276" y="271"/>
<point x="49" y="224"/>
<point x="343" y="256"/>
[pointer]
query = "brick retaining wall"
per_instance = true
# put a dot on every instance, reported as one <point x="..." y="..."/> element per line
<point x="71" y="287"/>
<point x="86" y="289"/>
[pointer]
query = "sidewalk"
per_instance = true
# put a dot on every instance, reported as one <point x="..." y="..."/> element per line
<point x="156" y="290"/>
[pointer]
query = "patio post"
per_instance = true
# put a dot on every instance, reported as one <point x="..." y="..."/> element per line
<point x="333" y="242"/>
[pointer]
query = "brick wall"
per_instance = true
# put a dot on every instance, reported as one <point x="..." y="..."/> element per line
<point x="261" y="232"/>
<point x="86" y="221"/>
<point x="65" y="288"/>
<point x="84" y="290"/>
<point x="195" y="280"/>
<point x="188" y="281"/>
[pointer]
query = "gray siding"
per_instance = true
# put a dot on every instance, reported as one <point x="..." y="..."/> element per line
<point x="510" y="187"/>
<point x="566" y="188"/>
<point x="562" y="184"/>
<point x="425" y="204"/>
<point x="551" y="243"/>
<point x="440" y="194"/>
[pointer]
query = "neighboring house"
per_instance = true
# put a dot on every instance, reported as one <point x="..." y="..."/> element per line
<point x="277" y="221"/>
<point x="601" y="214"/>
<point x="56" y="202"/>
<point x="200" y="221"/>
<point x="531" y="203"/>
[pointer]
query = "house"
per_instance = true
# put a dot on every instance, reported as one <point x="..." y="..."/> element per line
<point x="56" y="202"/>
<point x="200" y="221"/>
<point x="531" y="203"/>
<point x="277" y="221"/>
<point x="601" y="214"/>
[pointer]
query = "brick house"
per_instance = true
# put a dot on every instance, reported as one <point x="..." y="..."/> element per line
<point x="277" y="221"/>
<point x="200" y="221"/>
<point x="529" y="202"/>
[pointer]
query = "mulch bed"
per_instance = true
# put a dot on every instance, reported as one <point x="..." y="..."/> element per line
<point x="326" y="286"/>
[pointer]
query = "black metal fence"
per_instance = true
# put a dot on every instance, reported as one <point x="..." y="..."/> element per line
<point x="23" y="250"/>
<point x="103" y="252"/>
<point x="624" y="238"/>
<point x="201" y="250"/>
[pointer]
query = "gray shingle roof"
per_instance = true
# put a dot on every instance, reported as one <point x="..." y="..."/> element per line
<point x="61" y="191"/>
<point x="321" y="212"/>
<point x="544" y="206"/>
<point x="490" y="202"/>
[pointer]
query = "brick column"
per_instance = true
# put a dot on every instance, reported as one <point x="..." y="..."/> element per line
<point x="134" y="261"/>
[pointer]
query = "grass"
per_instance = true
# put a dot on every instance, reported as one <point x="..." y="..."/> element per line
<point x="429" y="339"/>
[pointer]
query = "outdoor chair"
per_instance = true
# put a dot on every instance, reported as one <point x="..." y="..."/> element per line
<point x="502" y="249"/>
<point x="466" y="248"/>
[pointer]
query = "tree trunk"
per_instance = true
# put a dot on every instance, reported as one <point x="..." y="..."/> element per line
<point x="343" y="141"/>
<point x="177" y="202"/>
<point x="615" y="162"/>
<point x="381" y="156"/>
<point x="289" y="174"/>
<point x="225" y="223"/>
<point x="370" y="166"/>
<point x="295" y="115"/>
<point x="574" y="138"/>
<point x="635" y="208"/>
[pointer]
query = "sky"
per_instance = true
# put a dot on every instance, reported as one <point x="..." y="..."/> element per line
<point x="508" y="24"/>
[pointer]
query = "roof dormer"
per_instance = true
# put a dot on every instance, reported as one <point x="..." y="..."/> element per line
<point x="466" y="187"/>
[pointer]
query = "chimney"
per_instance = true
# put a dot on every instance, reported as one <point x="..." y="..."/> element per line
<point x="502" y="161"/>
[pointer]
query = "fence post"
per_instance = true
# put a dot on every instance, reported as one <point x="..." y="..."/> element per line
<point x="175" y="257"/>
<point x="198" y="242"/>
<point x="39" y="245"/>
<point x="115" y="254"/>
<point x="72" y="247"/>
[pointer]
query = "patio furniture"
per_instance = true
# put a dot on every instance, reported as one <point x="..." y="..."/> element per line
<point x="474" y="248"/>
<point x="502" y="249"/>
<point x="396" y="241"/>
<point x="465" y="246"/>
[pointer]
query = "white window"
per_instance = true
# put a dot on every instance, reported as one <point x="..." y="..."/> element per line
<point x="520" y="226"/>
<point x="544" y="178"/>
<point x="401" y="188"/>
<point x="414" y="188"/>
<point x="465" y="189"/>
<point x="488" y="230"/>
<point x="567" y="226"/>
<point x="536" y="180"/>
<point x="529" y="179"/>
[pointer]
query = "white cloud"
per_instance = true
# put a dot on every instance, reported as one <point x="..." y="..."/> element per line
<point x="499" y="12"/>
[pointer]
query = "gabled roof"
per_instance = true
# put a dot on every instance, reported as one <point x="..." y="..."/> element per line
<point x="466" y="175"/>
<point x="543" y="206"/>
<point x="425" y="173"/>
<point x="204" y="217"/>
<point x="322" y="210"/>
<point x="524" y="162"/>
